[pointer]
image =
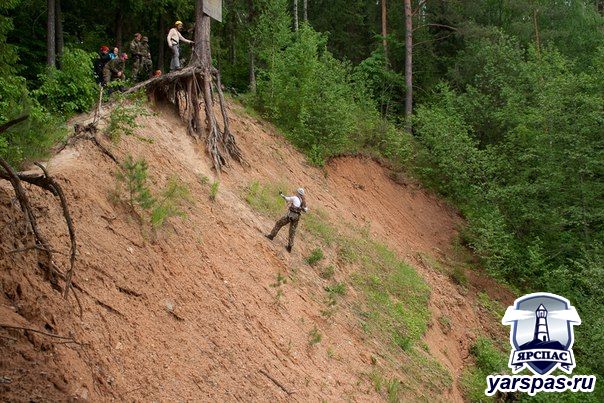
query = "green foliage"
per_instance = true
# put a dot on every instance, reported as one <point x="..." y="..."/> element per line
<point x="336" y="289"/>
<point x="168" y="203"/>
<point x="314" y="336"/>
<point x="214" y="190"/>
<point x="395" y="296"/>
<point x="316" y="222"/>
<point x="309" y="94"/>
<point x="265" y="197"/>
<point x="489" y="360"/>
<point x="122" y="121"/>
<point x="132" y="188"/>
<point x="8" y="52"/>
<point x="72" y="88"/>
<point x="393" y="387"/>
<point x="33" y="138"/>
<point x="315" y="256"/>
<point x="458" y="275"/>
<point x="133" y="178"/>
<point x="327" y="272"/>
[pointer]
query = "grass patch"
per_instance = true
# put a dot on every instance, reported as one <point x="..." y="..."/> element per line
<point x="314" y="336"/>
<point x="315" y="256"/>
<point x="377" y="379"/>
<point x="493" y="307"/>
<point x="393" y="387"/>
<point x="445" y="323"/>
<point x="489" y="360"/>
<point x="336" y="289"/>
<point x="214" y="190"/>
<point x="395" y="296"/>
<point x="265" y="197"/>
<point x="458" y="275"/>
<point x="317" y="224"/>
<point x="434" y="376"/>
<point x="327" y="272"/>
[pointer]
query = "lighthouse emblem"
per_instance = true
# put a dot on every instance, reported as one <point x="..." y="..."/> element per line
<point x="541" y="333"/>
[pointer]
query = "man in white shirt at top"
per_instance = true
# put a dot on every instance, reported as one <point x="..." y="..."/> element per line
<point x="174" y="39"/>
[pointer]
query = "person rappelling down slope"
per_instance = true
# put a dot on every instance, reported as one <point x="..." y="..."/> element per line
<point x="296" y="206"/>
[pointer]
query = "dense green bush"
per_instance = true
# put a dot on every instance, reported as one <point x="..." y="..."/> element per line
<point x="309" y="94"/>
<point x="72" y="88"/>
<point x="520" y="149"/>
<point x="30" y="139"/>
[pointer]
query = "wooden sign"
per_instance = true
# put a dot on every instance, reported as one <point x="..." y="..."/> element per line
<point x="213" y="8"/>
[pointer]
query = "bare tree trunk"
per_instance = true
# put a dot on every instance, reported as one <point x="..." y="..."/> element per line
<point x="537" y="36"/>
<point x="51" y="51"/>
<point x="408" y="64"/>
<point x="251" y="16"/>
<point x="59" y="28"/>
<point x="119" y="28"/>
<point x="385" y="29"/>
<point x="162" y="44"/>
<point x="296" y="15"/>
<point x="306" y="11"/>
<point x="201" y="50"/>
<point x="252" y="71"/>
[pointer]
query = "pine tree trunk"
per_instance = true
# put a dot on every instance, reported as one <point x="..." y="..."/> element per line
<point x="59" y="28"/>
<point x="252" y="71"/>
<point x="161" y="55"/>
<point x="251" y="16"/>
<point x="119" y="28"/>
<point x="408" y="64"/>
<point x="537" y="36"/>
<point x="201" y="50"/>
<point x="385" y="29"/>
<point x="296" y="15"/>
<point x="51" y="51"/>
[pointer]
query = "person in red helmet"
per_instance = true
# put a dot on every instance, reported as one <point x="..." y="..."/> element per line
<point x="100" y="62"/>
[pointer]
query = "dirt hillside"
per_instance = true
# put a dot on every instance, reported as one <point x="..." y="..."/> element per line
<point x="208" y="309"/>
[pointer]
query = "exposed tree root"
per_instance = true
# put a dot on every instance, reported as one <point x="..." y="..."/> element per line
<point x="46" y="182"/>
<point x="187" y="89"/>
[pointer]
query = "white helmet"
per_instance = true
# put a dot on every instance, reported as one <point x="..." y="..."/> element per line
<point x="300" y="191"/>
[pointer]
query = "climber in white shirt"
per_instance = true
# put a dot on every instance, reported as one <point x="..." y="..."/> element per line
<point x="296" y="206"/>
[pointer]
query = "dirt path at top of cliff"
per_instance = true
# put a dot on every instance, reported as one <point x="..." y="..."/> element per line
<point x="200" y="311"/>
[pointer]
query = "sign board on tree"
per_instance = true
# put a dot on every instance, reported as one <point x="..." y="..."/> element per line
<point x="213" y="8"/>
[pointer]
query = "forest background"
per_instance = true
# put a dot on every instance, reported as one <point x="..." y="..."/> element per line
<point x="498" y="105"/>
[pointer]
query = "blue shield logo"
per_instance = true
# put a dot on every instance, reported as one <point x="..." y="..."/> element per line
<point x="542" y="333"/>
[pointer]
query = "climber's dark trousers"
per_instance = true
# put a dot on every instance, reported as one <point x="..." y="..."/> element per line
<point x="290" y="218"/>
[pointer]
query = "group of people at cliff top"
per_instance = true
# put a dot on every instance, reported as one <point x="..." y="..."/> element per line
<point x="111" y="66"/>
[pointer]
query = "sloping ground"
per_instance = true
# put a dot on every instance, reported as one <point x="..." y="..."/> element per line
<point x="208" y="309"/>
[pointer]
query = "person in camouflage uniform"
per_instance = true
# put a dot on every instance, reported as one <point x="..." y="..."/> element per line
<point x="146" y="67"/>
<point x="136" y="52"/>
<point x="296" y="206"/>
<point x="114" y="69"/>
